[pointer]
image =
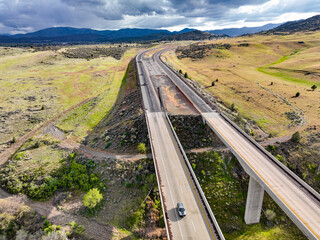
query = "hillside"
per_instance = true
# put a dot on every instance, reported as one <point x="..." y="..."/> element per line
<point x="309" y="24"/>
<point x="193" y="35"/>
<point x="233" y="32"/>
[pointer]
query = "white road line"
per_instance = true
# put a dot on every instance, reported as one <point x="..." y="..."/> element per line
<point x="165" y="172"/>
<point x="193" y="226"/>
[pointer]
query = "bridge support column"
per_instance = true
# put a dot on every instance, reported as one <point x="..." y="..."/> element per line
<point x="254" y="202"/>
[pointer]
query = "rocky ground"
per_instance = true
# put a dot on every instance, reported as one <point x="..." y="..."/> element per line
<point x="125" y="127"/>
<point x="197" y="50"/>
<point x="191" y="127"/>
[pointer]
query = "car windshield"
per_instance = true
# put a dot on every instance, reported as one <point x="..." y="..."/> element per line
<point x="181" y="209"/>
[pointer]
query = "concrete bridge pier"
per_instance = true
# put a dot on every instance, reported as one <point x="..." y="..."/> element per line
<point x="254" y="202"/>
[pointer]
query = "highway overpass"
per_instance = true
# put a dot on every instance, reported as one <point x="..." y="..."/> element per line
<point x="298" y="200"/>
<point x="176" y="180"/>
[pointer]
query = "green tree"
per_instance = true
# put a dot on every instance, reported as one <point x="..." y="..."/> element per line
<point x="212" y="84"/>
<point x="186" y="75"/>
<point x="313" y="87"/>
<point x="180" y="71"/>
<point x="141" y="148"/>
<point x="92" y="198"/>
<point x="296" y="137"/>
<point x="297" y="94"/>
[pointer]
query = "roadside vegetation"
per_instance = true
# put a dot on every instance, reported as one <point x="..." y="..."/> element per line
<point x="225" y="185"/>
<point x="40" y="178"/>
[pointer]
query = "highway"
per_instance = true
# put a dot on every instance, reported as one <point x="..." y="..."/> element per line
<point x="297" y="200"/>
<point x="174" y="180"/>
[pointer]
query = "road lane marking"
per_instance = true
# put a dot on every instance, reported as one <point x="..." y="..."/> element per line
<point x="187" y="173"/>
<point x="262" y="178"/>
<point x="193" y="226"/>
<point x="165" y="172"/>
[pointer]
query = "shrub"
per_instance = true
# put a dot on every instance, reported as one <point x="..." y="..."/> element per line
<point x="77" y="229"/>
<point x="92" y="198"/>
<point x="296" y="137"/>
<point x="141" y="148"/>
<point x="271" y="148"/>
<point x="193" y="166"/>
<point x="271" y="83"/>
<point x="297" y="94"/>
<point x="14" y="140"/>
<point x="186" y="75"/>
<point x="313" y="87"/>
<point x="239" y="119"/>
<point x="217" y="80"/>
<point x="270" y="215"/>
<point x="108" y="145"/>
<point x="136" y="217"/>
<point x="212" y="84"/>
<point x="180" y="71"/>
<point x="233" y="107"/>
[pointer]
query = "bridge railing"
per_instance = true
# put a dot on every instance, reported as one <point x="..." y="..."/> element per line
<point x="293" y="176"/>
<point x="164" y="209"/>
<point x="206" y="205"/>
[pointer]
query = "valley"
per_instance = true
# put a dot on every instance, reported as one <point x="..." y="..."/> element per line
<point x="72" y="119"/>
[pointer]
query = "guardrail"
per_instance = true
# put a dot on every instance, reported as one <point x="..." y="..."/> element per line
<point x="297" y="179"/>
<point x="209" y="103"/>
<point x="207" y="207"/>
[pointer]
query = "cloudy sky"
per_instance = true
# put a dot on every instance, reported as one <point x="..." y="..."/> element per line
<point x="21" y="16"/>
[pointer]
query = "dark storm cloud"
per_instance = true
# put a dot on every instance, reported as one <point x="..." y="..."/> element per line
<point x="31" y="15"/>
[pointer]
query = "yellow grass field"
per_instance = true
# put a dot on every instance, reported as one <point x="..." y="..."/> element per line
<point x="262" y="78"/>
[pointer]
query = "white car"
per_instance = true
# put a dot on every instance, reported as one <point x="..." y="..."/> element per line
<point x="181" y="210"/>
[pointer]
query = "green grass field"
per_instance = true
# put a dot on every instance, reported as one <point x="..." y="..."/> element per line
<point x="36" y="86"/>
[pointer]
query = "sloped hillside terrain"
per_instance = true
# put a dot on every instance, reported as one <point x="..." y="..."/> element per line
<point x="309" y="24"/>
<point x="263" y="83"/>
<point x="39" y="85"/>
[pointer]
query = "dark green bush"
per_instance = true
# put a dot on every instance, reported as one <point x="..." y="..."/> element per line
<point x="296" y="137"/>
<point x="40" y="185"/>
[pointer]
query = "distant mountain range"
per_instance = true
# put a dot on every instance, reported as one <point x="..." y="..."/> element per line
<point x="309" y="24"/>
<point x="83" y="35"/>
<point x="234" y="32"/>
<point x="60" y="35"/>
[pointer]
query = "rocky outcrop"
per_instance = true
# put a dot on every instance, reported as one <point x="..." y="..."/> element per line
<point x="193" y="133"/>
